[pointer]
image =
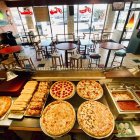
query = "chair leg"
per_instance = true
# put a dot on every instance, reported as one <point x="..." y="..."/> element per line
<point x="113" y="60"/>
<point x="121" y="61"/>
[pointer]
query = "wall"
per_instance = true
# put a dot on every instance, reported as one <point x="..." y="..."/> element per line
<point x="9" y="27"/>
<point x="134" y="44"/>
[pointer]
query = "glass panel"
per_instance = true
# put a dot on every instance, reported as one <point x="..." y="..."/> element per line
<point x="56" y="18"/>
<point x="122" y="17"/>
<point x="75" y="20"/>
<point x="17" y="19"/>
<point x="84" y="18"/>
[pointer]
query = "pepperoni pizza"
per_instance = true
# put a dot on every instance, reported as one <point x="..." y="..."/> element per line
<point x="62" y="90"/>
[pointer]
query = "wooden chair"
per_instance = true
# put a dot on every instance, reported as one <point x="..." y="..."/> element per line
<point x="25" y="61"/>
<point x="75" y="60"/>
<point x="39" y="50"/>
<point x="65" y="38"/>
<point x="57" y="60"/>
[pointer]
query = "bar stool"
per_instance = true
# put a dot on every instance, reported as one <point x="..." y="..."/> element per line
<point x="57" y="56"/>
<point x="25" y="61"/>
<point x="119" y="53"/>
<point x="74" y="61"/>
<point x="96" y="58"/>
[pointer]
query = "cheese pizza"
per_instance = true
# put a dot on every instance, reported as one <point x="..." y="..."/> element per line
<point x="5" y="103"/>
<point x="62" y="90"/>
<point x="89" y="89"/>
<point x="95" y="119"/>
<point x="58" y="118"/>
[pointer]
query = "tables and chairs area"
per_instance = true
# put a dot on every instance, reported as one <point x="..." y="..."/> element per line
<point x="66" y="53"/>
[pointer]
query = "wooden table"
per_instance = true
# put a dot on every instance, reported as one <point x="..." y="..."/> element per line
<point x="85" y="42"/>
<point x="13" y="50"/>
<point x="66" y="47"/>
<point x="110" y="46"/>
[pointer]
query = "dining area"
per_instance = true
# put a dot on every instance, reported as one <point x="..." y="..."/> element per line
<point x="85" y="51"/>
<point x="82" y="52"/>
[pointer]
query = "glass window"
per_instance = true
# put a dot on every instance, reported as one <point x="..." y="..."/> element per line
<point x="57" y="20"/>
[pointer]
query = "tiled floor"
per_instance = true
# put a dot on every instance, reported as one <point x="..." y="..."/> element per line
<point x="128" y="60"/>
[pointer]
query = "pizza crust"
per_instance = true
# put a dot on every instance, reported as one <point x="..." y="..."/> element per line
<point x="58" y="118"/>
<point x="95" y="119"/>
<point x="5" y="103"/>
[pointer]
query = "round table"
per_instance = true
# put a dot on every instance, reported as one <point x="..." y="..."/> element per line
<point x="110" y="46"/>
<point x="11" y="49"/>
<point x="66" y="47"/>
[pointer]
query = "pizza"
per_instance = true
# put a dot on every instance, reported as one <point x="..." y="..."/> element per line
<point x="95" y="119"/>
<point x="58" y="118"/>
<point x="62" y="90"/>
<point x="5" y="103"/>
<point x="89" y="89"/>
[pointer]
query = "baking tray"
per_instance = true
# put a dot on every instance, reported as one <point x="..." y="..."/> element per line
<point x="129" y="109"/>
<point x="126" y="91"/>
<point x="136" y="95"/>
<point x="122" y="129"/>
<point x="37" y="116"/>
<point x="16" y="116"/>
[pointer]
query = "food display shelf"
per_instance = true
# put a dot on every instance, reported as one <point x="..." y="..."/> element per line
<point x="113" y="103"/>
<point x="32" y="124"/>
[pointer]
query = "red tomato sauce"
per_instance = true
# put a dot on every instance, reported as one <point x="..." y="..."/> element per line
<point x="128" y="105"/>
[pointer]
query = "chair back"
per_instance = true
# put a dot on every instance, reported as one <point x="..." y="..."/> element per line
<point x="65" y="37"/>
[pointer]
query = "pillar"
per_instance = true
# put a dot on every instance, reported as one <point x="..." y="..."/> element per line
<point x="109" y="19"/>
<point x="70" y="19"/>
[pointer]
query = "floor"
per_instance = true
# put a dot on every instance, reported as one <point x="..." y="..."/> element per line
<point x="47" y="63"/>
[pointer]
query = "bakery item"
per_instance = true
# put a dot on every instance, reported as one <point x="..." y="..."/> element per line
<point x="89" y="89"/>
<point x="5" y="103"/>
<point x="62" y="90"/>
<point x="33" y="112"/>
<point x="58" y="118"/>
<point x="95" y="119"/>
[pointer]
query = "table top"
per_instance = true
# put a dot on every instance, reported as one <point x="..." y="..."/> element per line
<point x="85" y="42"/>
<point x="111" y="46"/>
<point x="46" y="42"/>
<point x="11" y="49"/>
<point x="66" y="46"/>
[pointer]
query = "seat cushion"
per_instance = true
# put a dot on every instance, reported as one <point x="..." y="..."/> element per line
<point x="95" y="56"/>
<point x="121" y="53"/>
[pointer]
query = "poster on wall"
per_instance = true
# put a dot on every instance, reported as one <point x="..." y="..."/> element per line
<point x="3" y="19"/>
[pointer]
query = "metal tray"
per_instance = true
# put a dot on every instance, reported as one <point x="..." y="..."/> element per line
<point x="15" y="116"/>
<point x="36" y="116"/>
<point x="130" y="115"/>
<point x="128" y="92"/>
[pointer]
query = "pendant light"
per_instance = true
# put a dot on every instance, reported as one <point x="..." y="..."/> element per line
<point x="130" y="24"/>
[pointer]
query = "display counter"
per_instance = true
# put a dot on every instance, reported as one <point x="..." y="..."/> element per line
<point x="102" y="76"/>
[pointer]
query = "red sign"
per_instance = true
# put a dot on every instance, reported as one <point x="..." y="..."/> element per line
<point x="26" y="12"/>
<point x="55" y="11"/>
<point x="87" y="9"/>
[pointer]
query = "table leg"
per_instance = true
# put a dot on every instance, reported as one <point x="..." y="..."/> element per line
<point x="84" y="55"/>
<point x="66" y="58"/>
<point x="107" y="59"/>
<point x="47" y="54"/>
<point x="16" y="58"/>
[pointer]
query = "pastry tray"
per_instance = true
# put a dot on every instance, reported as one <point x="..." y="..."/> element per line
<point x="122" y="131"/>
<point x="17" y="116"/>
<point x="37" y="116"/>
